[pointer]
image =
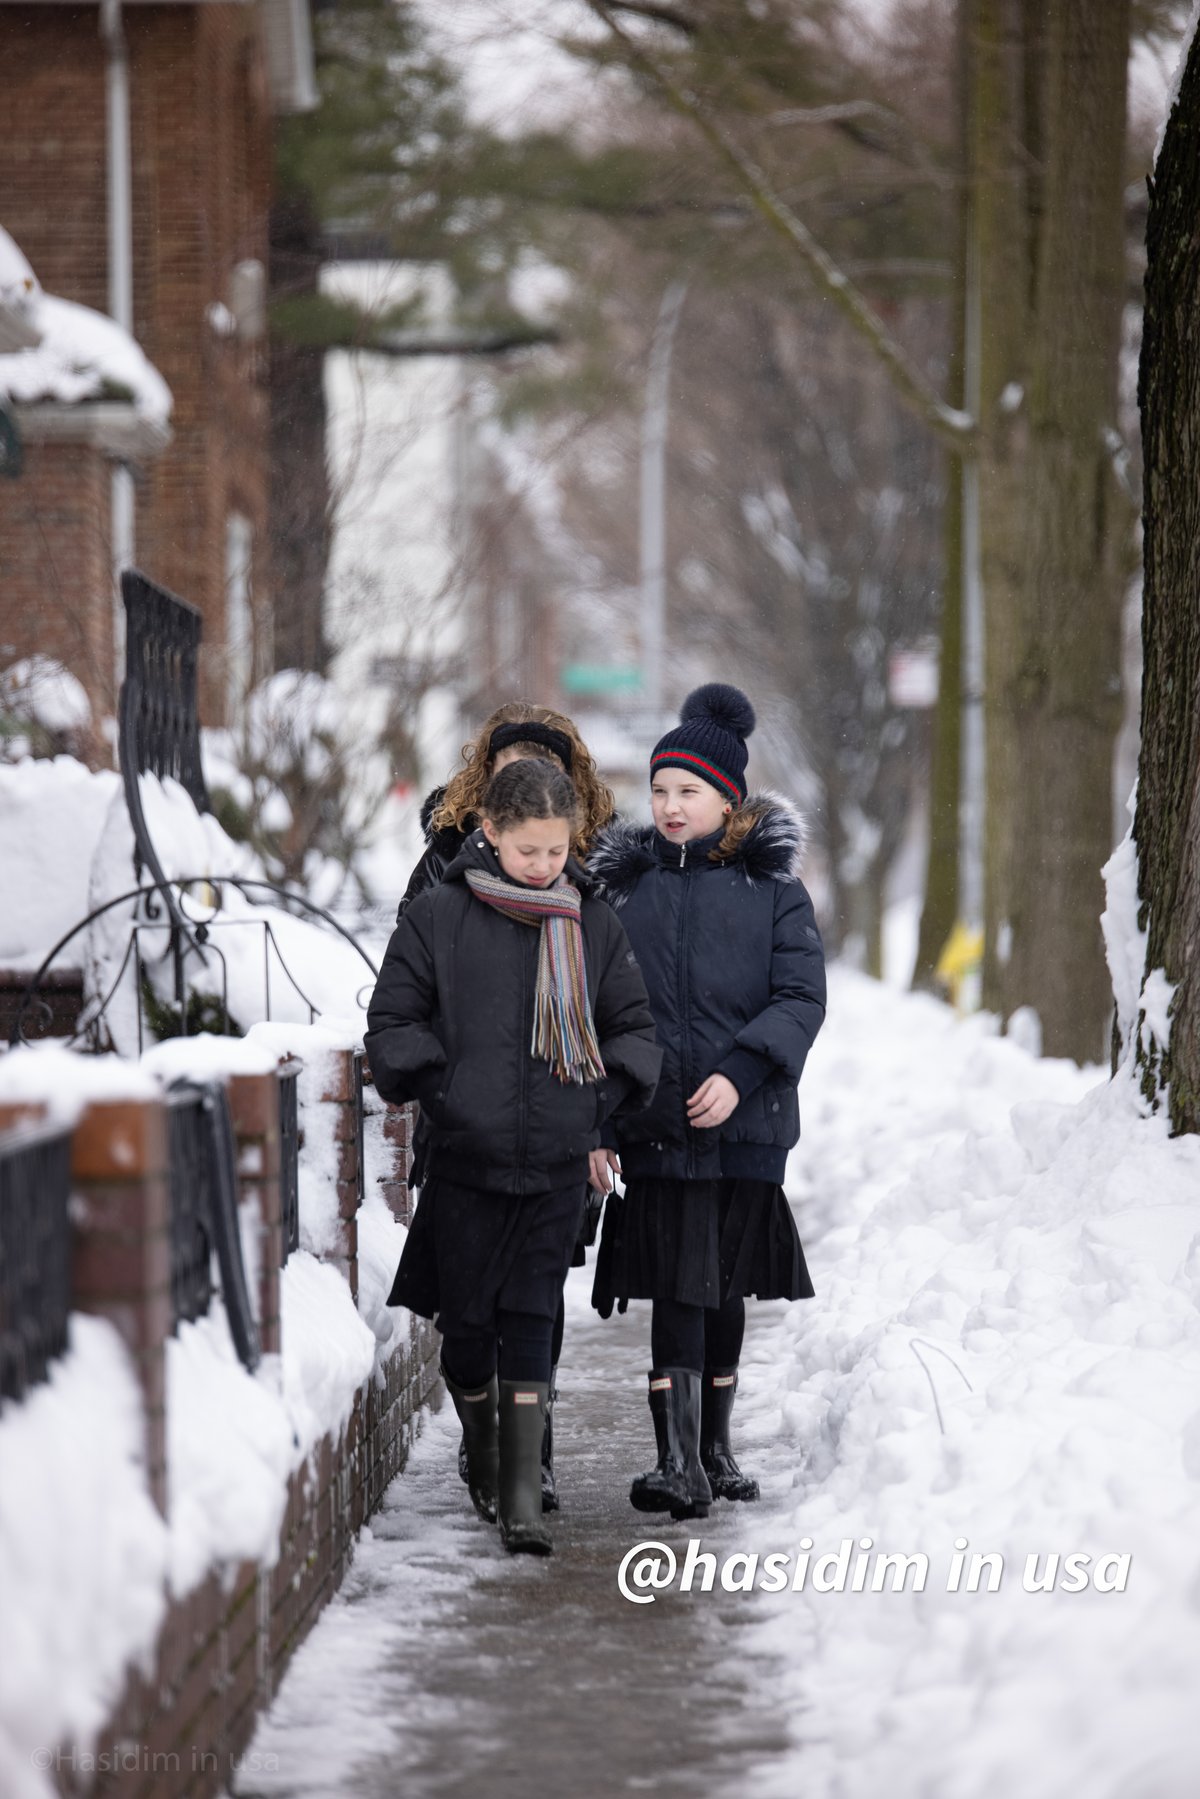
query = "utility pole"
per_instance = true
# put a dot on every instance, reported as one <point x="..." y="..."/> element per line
<point x="653" y="501"/>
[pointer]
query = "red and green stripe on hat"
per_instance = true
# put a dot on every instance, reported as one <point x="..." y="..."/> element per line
<point x="701" y="765"/>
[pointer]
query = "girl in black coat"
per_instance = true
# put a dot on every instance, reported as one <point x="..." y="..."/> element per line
<point x="509" y="1004"/>
<point x="726" y="939"/>
<point x="449" y="817"/>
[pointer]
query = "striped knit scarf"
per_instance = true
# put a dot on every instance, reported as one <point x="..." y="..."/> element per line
<point x="563" y="1032"/>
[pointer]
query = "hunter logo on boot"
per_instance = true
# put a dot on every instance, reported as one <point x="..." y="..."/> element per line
<point x="661" y="1385"/>
<point x="524" y="1398"/>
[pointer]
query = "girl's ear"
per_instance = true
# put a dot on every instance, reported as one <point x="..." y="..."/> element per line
<point x="490" y="832"/>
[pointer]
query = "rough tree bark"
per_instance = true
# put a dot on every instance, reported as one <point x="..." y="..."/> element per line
<point x="1066" y="702"/>
<point x="940" y="906"/>
<point x="1167" y="824"/>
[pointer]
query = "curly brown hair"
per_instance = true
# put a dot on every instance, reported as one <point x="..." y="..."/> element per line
<point x="463" y="799"/>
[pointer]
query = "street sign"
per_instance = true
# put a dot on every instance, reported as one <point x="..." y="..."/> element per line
<point x="595" y="677"/>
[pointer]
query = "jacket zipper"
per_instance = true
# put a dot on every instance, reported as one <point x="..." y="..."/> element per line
<point x="523" y="1059"/>
<point x="684" y="1008"/>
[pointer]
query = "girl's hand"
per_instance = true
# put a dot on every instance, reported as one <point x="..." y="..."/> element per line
<point x="602" y="1164"/>
<point x="712" y="1102"/>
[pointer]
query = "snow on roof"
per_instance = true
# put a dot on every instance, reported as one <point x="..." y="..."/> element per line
<point x="79" y="354"/>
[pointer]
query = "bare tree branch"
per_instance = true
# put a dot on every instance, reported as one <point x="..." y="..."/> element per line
<point x="953" y="426"/>
<point x="659" y="14"/>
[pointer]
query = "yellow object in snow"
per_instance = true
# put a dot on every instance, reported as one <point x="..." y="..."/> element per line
<point x="959" y="964"/>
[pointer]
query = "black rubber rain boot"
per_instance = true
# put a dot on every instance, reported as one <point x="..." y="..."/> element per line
<point x="549" y="1484"/>
<point x="678" y="1484"/>
<point x="478" y="1415"/>
<point x="522" y="1425"/>
<point x="716" y="1407"/>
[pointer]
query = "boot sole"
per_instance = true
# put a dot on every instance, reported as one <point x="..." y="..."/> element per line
<point x="527" y="1545"/>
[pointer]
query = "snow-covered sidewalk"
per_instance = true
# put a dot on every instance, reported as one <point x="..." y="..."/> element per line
<point x="1002" y="1358"/>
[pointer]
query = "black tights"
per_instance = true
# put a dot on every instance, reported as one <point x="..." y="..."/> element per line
<point x="518" y="1349"/>
<point x="697" y="1337"/>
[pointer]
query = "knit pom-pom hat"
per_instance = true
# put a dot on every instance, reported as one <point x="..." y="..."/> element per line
<point x="710" y="739"/>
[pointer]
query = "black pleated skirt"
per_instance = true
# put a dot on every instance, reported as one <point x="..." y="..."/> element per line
<point x="470" y="1252"/>
<point x="698" y="1242"/>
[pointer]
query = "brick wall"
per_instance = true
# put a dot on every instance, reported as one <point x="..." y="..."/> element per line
<point x="222" y="1654"/>
<point x="201" y="150"/>
<point x="55" y="580"/>
<point x="178" y="1732"/>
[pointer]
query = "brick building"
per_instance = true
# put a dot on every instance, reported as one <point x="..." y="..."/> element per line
<point x="190" y="171"/>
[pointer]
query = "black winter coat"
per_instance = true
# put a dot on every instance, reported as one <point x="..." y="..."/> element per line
<point x="736" y="975"/>
<point x="451" y="1021"/>
<point x="441" y="847"/>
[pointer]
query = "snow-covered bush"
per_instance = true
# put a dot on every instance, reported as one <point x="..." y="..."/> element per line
<point x="297" y="782"/>
<point x="44" y="710"/>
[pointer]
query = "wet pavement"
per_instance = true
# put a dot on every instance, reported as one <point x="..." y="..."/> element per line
<point x="446" y="1667"/>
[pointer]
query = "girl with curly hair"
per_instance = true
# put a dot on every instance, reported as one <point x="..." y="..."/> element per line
<point x="514" y="730"/>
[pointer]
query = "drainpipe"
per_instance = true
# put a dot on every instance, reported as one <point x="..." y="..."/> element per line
<point x="120" y="287"/>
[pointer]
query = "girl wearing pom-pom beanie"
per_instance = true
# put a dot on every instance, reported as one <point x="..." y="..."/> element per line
<point x="724" y="933"/>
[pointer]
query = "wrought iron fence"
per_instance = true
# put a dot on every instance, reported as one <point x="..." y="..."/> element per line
<point x="289" y="1159"/>
<point x="204" y="1212"/>
<point x="160" y="725"/>
<point x="191" y="1204"/>
<point x="35" y="1255"/>
<point x="360" y="1124"/>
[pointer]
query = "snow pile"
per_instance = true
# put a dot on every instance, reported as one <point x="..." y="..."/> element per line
<point x="63" y="1083"/>
<point x="82" y="1553"/>
<point x="328" y="1350"/>
<point x="20" y="289"/>
<point x="41" y="690"/>
<point x="51" y="817"/>
<point x="82" y="354"/>
<point x="1003" y="1356"/>
<point x="230" y="1449"/>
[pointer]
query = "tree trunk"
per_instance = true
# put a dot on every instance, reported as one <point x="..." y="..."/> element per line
<point x="999" y="259"/>
<point x="1167" y="825"/>
<point x="939" y="908"/>
<point x="1065" y="704"/>
<point x="299" y="491"/>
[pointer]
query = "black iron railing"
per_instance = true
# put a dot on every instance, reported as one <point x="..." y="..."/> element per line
<point x="35" y="1254"/>
<point x="289" y="1159"/>
<point x="160" y="735"/>
<point x="191" y="1204"/>
<point x="360" y="1124"/>
<point x="204" y="1212"/>
<point x="160" y="722"/>
<point x="204" y="919"/>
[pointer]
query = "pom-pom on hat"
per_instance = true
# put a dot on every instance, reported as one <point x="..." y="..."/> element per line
<point x="710" y="739"/>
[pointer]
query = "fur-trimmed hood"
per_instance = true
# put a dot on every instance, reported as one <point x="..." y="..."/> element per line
<point x="429" y="806"/>
<point x="770" y="851"/>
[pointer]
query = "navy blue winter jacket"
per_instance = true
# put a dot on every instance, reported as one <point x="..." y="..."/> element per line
<point x="735" y="972"/>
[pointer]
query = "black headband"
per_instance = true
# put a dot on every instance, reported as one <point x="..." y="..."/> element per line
<point x="504" y="736"/>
